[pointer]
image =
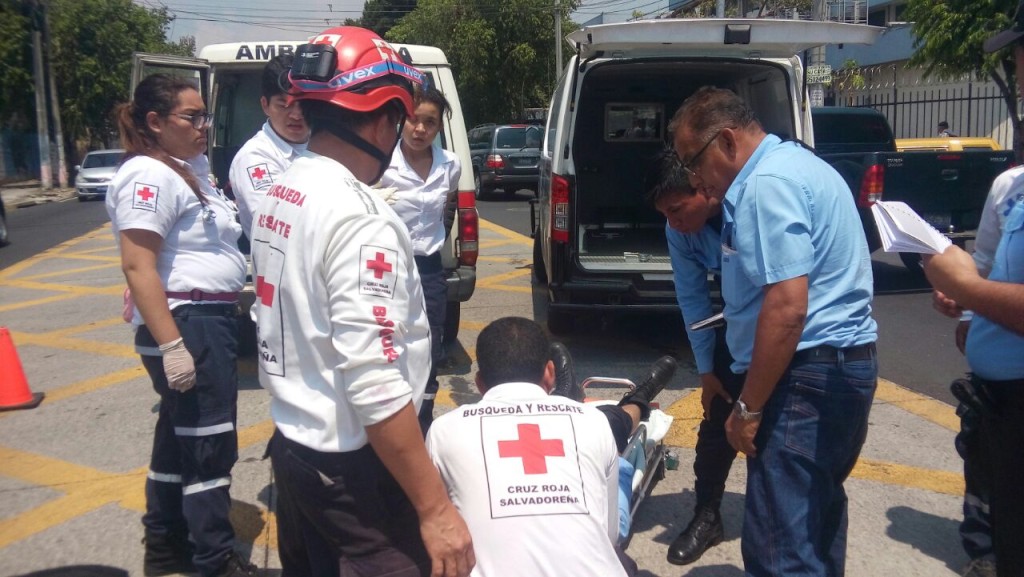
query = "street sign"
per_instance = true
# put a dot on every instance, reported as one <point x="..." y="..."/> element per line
<point x="819" y="74"/>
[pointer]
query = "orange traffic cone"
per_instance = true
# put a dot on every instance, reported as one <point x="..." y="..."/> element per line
<point x="14" y="391"/>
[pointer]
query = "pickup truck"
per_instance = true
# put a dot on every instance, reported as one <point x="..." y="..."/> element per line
<point x="948" y="189"/>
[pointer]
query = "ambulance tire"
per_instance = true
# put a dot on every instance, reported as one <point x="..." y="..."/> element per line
<point x="452" y="317"/>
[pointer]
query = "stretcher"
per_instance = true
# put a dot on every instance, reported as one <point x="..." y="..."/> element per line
<point x="645" y="449"/>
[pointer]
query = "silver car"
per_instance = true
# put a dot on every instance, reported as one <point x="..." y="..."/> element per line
<point x="95" y="172"/>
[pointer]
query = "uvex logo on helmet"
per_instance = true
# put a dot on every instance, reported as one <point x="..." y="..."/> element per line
<point x="352" y="68"/>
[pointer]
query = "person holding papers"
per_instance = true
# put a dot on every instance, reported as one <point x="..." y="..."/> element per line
<point x="995" y="348"/>
<point x="797" y="285"/>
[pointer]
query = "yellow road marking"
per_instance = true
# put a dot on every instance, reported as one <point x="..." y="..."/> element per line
<point x="507" y="233"/>
<point x="69" y="271"/>
<point x="688" y="413"/>
<point x="925" y="407"/>
<point x="96" y="383"/>
<point x="36" y="302"/>
<point x="78" y="290"/>
<point x="86" y="489"/>
<point x="73" y="344"/>
<point x="501" y="259"/>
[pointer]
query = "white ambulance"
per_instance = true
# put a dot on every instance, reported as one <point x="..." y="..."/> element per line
<point x="229" y="77"/>
<point x="598" y="244"/>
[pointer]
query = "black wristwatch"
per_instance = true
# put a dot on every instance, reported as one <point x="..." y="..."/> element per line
<point x="740" y="408"/>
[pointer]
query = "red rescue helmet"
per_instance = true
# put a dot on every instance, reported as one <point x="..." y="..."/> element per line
<point x="352" y="68"/>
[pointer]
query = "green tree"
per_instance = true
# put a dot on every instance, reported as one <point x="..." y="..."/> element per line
<point x="382" y="15"/>
<point x="16" y="89"/>
<point x="948" y="38"/>
<point x="502" y="51"/>
<point x="91" y="49"/>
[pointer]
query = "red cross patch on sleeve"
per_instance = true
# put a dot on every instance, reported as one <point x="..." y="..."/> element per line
<point x="259" y="176"/>
<point x="377" y="271"/>
<point x="144" y="196"/>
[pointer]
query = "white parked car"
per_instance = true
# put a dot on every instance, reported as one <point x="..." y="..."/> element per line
<point x="95" y="172"/>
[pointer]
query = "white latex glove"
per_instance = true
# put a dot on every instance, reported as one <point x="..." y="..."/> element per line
<point x="388" y="195"/>
<point x="179" y="368"/>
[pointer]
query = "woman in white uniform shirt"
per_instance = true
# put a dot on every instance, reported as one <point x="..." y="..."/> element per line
<point x="178" y="241"/>
<point x="426" y="177"/>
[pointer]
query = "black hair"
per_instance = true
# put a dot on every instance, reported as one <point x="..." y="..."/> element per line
<point x="512" y="350"/>
<point x="274" y="80"/>
<point x="157" y="93"/>
<point x="433" y="96"/>
<point x="665" y="177"/>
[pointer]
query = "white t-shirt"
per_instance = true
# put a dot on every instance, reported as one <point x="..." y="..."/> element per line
<point x="1007" y="189"/>
<point x="536" y="479"/>
<point x="420" y="203"/>
<point x="342" y="329"/>
<point x="200" y="248"/>
<point x="258" y="164"/>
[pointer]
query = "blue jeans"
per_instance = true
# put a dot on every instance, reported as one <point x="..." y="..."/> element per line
<point x="811" y="434"/>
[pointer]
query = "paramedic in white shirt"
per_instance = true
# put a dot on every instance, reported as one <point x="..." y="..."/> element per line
<point x="344" y="342"/>
<point x="178" y="242"/>
<point x="536" y="476"/>
<point x="425" y="178"/>
<point x="263" y="159"/>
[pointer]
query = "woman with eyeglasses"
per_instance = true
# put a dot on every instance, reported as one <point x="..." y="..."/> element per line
<point x="178" y="241"/>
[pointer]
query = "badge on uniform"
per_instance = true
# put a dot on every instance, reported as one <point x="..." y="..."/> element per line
<point x="259" y="175"/>
<point x="144" y="196"/>
<point x="377" y="274"/>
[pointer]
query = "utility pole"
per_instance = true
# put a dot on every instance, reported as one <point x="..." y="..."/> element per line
<point x="558" y="40"/>
<point x="42" y="128"/>
<point x="62" y="165"/>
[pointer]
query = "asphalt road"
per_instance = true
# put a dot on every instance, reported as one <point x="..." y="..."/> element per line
<point x="34" y="229"/>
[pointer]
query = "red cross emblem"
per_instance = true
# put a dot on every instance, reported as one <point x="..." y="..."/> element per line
<point x="531" y="449"/>
<point x="145" y="193"/>
<point x="258" y="173"/>
<point x="379" y="266"/>
<point x="265" y="291"/>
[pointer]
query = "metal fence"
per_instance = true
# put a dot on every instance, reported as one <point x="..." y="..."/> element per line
<point x="915" y="106"/>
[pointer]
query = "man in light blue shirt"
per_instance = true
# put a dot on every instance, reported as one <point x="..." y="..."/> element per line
<point x="693" y="220"/>
<point x="797" y="285"/>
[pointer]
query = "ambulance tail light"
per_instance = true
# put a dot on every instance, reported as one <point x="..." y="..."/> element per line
<point x="559" y="208"/>
<point x="871" y="186"/>
<point x="467" y="247"/>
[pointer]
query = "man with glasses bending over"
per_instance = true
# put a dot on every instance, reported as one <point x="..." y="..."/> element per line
<point x="797" y="285"/>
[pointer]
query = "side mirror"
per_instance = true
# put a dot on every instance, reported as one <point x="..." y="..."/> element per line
<point x="78" y="167"/>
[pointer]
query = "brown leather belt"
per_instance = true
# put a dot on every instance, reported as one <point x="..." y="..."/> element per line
<point x="830" y="354"/>
<point x="196" y="295"/>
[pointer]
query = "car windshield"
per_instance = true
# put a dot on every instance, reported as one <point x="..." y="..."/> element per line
<point x="517" y="137"/>
<point x="102" y="159"/>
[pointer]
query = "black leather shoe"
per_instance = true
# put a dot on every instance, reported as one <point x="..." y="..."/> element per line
<point x="660" y="374"/>
<point x="167" y="554"/>
<point x="703" y="532"/>
<point x="565" y="376"/>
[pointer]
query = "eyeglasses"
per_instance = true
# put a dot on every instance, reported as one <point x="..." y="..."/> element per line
<point x="199" y="120"/>
<point x="690" y="166"/>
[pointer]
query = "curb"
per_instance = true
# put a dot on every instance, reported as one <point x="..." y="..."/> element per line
<point x="56" y="195"/>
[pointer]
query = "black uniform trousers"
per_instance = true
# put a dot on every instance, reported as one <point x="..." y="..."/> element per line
<point x="714" y="454"/>
<point x="435" y="294"/>
<point x="342" y="514"/>
<point x="1002" y="458"/>
<point x="195" y="443"/>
